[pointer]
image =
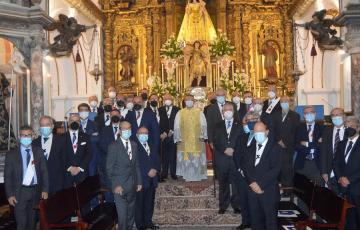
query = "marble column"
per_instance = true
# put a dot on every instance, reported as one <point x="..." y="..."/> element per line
<point x="351" y="19"/>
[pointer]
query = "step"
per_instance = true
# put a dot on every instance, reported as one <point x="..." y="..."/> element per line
<point x="186" y="202"/>
<point x="198" y="227"/>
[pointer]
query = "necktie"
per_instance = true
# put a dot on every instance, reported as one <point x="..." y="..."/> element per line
<point x="309" y="129"/>
<point x="115" y="130"/>
<point x="348" y="149"/>
<point x="45" y="139"/>
<point x="138" y="115"/>
<point x="28" y="157"/>
<point x="337" y="139"/>
<point x="127" y="150"/>
<point x="147" y="149"/>
<point x="107" y="118"/>
<point x="168" y="111"/>
<point x="228" y="125"/>
<point x="259" y="147"/>
<point x="74" y="138"/>
<point x="94" y="110"/>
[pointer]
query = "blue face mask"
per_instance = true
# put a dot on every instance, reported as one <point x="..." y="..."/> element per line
<point x="45" y="131"/>
<point x="25" y="141"/>
<point x="143" y="138"/>
<point x="189" y="104"/>
<point x="285" y="106"/>
<point x="251" y="125"/>
<point x="246" y="129"/>
<point x="260" y="137"/>
<point x="220" y="99"/>
<point x="310" y="117"/>
<point x="337" y="121"/>
<point x="126" y="134"/>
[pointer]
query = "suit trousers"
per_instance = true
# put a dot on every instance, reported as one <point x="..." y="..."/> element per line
<point x="311" y="171"/>
<point x="226" y="175"/>
<point x="287" y="168"/>
<point x="242" y="188"/>
<point x="125" y="208"/>
<point x="353" y="214"/>
<point x="24" y="209"/>
<point x="168" y="157"/>
<point x="263" y="210"/>
<point x="145" y="201"/>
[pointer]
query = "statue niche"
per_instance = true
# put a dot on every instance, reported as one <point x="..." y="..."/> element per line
<point x="270" y="56"/>
<point x="126" y="62"/>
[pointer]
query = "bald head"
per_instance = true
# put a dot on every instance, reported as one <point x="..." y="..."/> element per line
<point x="167" y="96"/>
<point x="107" y="101"/>
<point x="228" y="107"/>
<point x="124" y="125"/>
<point x="220" y="92"/>
<point x="143" y="130"/>
<point x="260" y="127"/>
<point x="138" y="100"/>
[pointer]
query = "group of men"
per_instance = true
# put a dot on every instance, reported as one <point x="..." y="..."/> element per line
<point x="133" y="143"/>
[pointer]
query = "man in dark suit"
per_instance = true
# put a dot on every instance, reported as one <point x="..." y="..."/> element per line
<point x="211" y="99"/>
<point x="149" y="162"/>
<point x="94" y="102"/>
<point x="26" y="179"/>
<point x="286" y="123"/>
<point x="331" y="138"/>
<point x="168" y="155"/>
<point x="261" y="170"/>
<point x="108" y="135"/>
<point x="123" y="169"/>
<point x="103" y="119"/>
<point x="272" y="104"/>
<point x="225" y="137"/>
<point x="144" y="117"/>
<point x="153" y="106"/>
<point x="52" y="146"/>
<point x="76" y="152"/>
<point x="347" y="169"/>
<point x="241" y="108"/>
<point x="307" y="146"/>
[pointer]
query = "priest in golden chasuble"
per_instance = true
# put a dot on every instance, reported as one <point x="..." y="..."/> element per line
<point x="190" y="131"/>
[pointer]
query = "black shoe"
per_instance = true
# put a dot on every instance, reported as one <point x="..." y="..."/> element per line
<point x="152" y="226"/>
<point x="237" y="211"/>
<point x="243" y="226"/>
<point x="163" y="178"/>
<point x="174" y="177"/>
<point x="222" y="211"/>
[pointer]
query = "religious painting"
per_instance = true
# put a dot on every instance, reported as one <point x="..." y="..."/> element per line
<point x="126" y="61"/>
<point x="270" y="59"/>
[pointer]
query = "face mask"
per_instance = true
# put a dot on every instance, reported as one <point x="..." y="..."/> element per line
<point x="93" y="104"/>
<point x="271" y="94"/>
<point x="189" y="104"/>
<point x="144" y="96"/>
<point x="45" y="131"/>
<point x="284" y="106"/>
<point x="251" y="125"/>
<point x="257" y="108"/>
<point x="143" y="138"/>
<point x="154" y="103"/>
<point x="84" y="115"/>
<point x="120" y="103"/>
<point x="130" y="106"/>
<point x="248" y="100"/>
<point x="350" y="132"/>
<point x="337" y="121"/>
<point x="246" y="129"/>
<point x="213" y="101"/>
<point x="108" y="108"/>
<point x="260" y="137"/>
<point x="310" y="117"/>
<point x="137" y="107"/>
<point x="115" y="119"/>
<point x="112" y="95"/>
<point x="126" y="134"/>
<point x="236" y="100"/>
<point x="228" y="115"/>
<point x="168" y="102"/>
<point x="74" y="126"/>
<point x="220" y="99"/>
<point x="25" y="141"/>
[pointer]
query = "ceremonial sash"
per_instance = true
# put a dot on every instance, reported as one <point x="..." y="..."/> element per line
<point x="30" y="172"/>
<point x="272" y="105"/>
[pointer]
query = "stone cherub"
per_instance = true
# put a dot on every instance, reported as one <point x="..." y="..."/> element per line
<point x="322" y="32"/>
<point x="69" y="32"/>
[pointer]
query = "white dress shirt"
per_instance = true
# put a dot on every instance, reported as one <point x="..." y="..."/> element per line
<point x="229" y="127"/>
<point x="259" y="151"/>
<point x="221" y="110"/>
<point x="107" y="123"/>
<point x="341" y="135"/>
<point x="146" y="147"/>
<point x="117" y="131"/>
<point x="129" y="152"/>
<point x="168" y="110"/>
<point x="46" y="146"/>
<point x="75" y="144"/>
<point x="347" y="144"/>
<point x="138" y="120"/>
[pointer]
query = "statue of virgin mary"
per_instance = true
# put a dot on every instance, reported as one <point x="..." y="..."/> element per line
<point x="197" y="24"/>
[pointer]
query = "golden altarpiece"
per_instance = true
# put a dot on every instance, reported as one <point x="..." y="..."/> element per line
<point x="260" y="30"/>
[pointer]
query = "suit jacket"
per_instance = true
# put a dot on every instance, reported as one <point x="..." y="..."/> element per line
<point x="55" y="163"/>
<point x="213" y="116"/>
<point x="100" y="120"/>
<point x="286" y="130"/>
<point x="80" y="159"/>
<point x="13" y="173"/>
<point x="106" y="137"/>
<point x="303" y="151"/>
<point x="241" y="149"/>
<point x="327" y="154"/>
<point x="121" y="170"/>
<point x="242" y="111"/>
<point x="277" y="107"/>
<point x="267" y="171"/>
<point x="167" y="124"/>
<point x="148" y="162"/>
<point x="222" y="141"/>
<point x="149" y="121"/>
<point x="351" y="169"/>
<point x="91" y="128"/>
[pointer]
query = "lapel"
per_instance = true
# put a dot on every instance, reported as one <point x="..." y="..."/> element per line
<point x="123" y="149"/>
<point x="331" y="137"/>
<point x="172" y="114"/>
<point x="18" y="159"/>
<point x="218" y="112"/>
<point x="143" y="117"/>
<point x="353" y="151"/>
<point x="252" y="149"/>
<point x="52" y="148"/>
<point x="234" y="129"/>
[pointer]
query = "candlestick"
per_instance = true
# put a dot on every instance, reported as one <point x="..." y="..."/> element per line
<point x="28" y="93"/>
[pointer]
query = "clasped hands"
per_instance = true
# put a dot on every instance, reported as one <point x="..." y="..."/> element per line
<point x="344" y="181"/>
<point x="229" y="152"/>
<point x="152" y="173"/>
<point x="74" y="170"/>
<point x="256" y="188"/>
<point x="119" y="190"/>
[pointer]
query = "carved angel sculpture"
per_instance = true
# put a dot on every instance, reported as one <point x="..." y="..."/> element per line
<point x="197" y="59"/>
<point x="69" y="32"/>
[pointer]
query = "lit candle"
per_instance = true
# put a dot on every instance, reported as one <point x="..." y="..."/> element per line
<point x="137" y="91"/>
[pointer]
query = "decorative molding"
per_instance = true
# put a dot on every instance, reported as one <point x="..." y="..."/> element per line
<point x="299" y="7"/>
<point x="89" y="9"/>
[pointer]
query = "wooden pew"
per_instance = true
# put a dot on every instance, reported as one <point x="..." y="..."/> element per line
<point x="7" y="219"/>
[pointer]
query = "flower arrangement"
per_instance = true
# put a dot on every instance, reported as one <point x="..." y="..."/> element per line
<point x="171" y="87"/>
<point x="238" y="84"/>
<point x="221" y="46"/>
<point x="171" y="48"/>
<point x="156" y="87"/>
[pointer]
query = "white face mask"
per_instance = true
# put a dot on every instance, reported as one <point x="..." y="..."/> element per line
<point x="189" y="104"/>
<point x="168" y="102"/>
<point x="93" y="104"/>
<point x="84" y="115"/>
<point x="112" y="95"/>
<point x="271" y="94"/>
<point x="257" y="108"/>
<point x="228" y="115"/>
<point x="130" y="106"/>
<point x="248" y="100"/>
<point x="236" y="100"/>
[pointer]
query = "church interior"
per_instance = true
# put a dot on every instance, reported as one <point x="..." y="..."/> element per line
<point x="56" y="54"/>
